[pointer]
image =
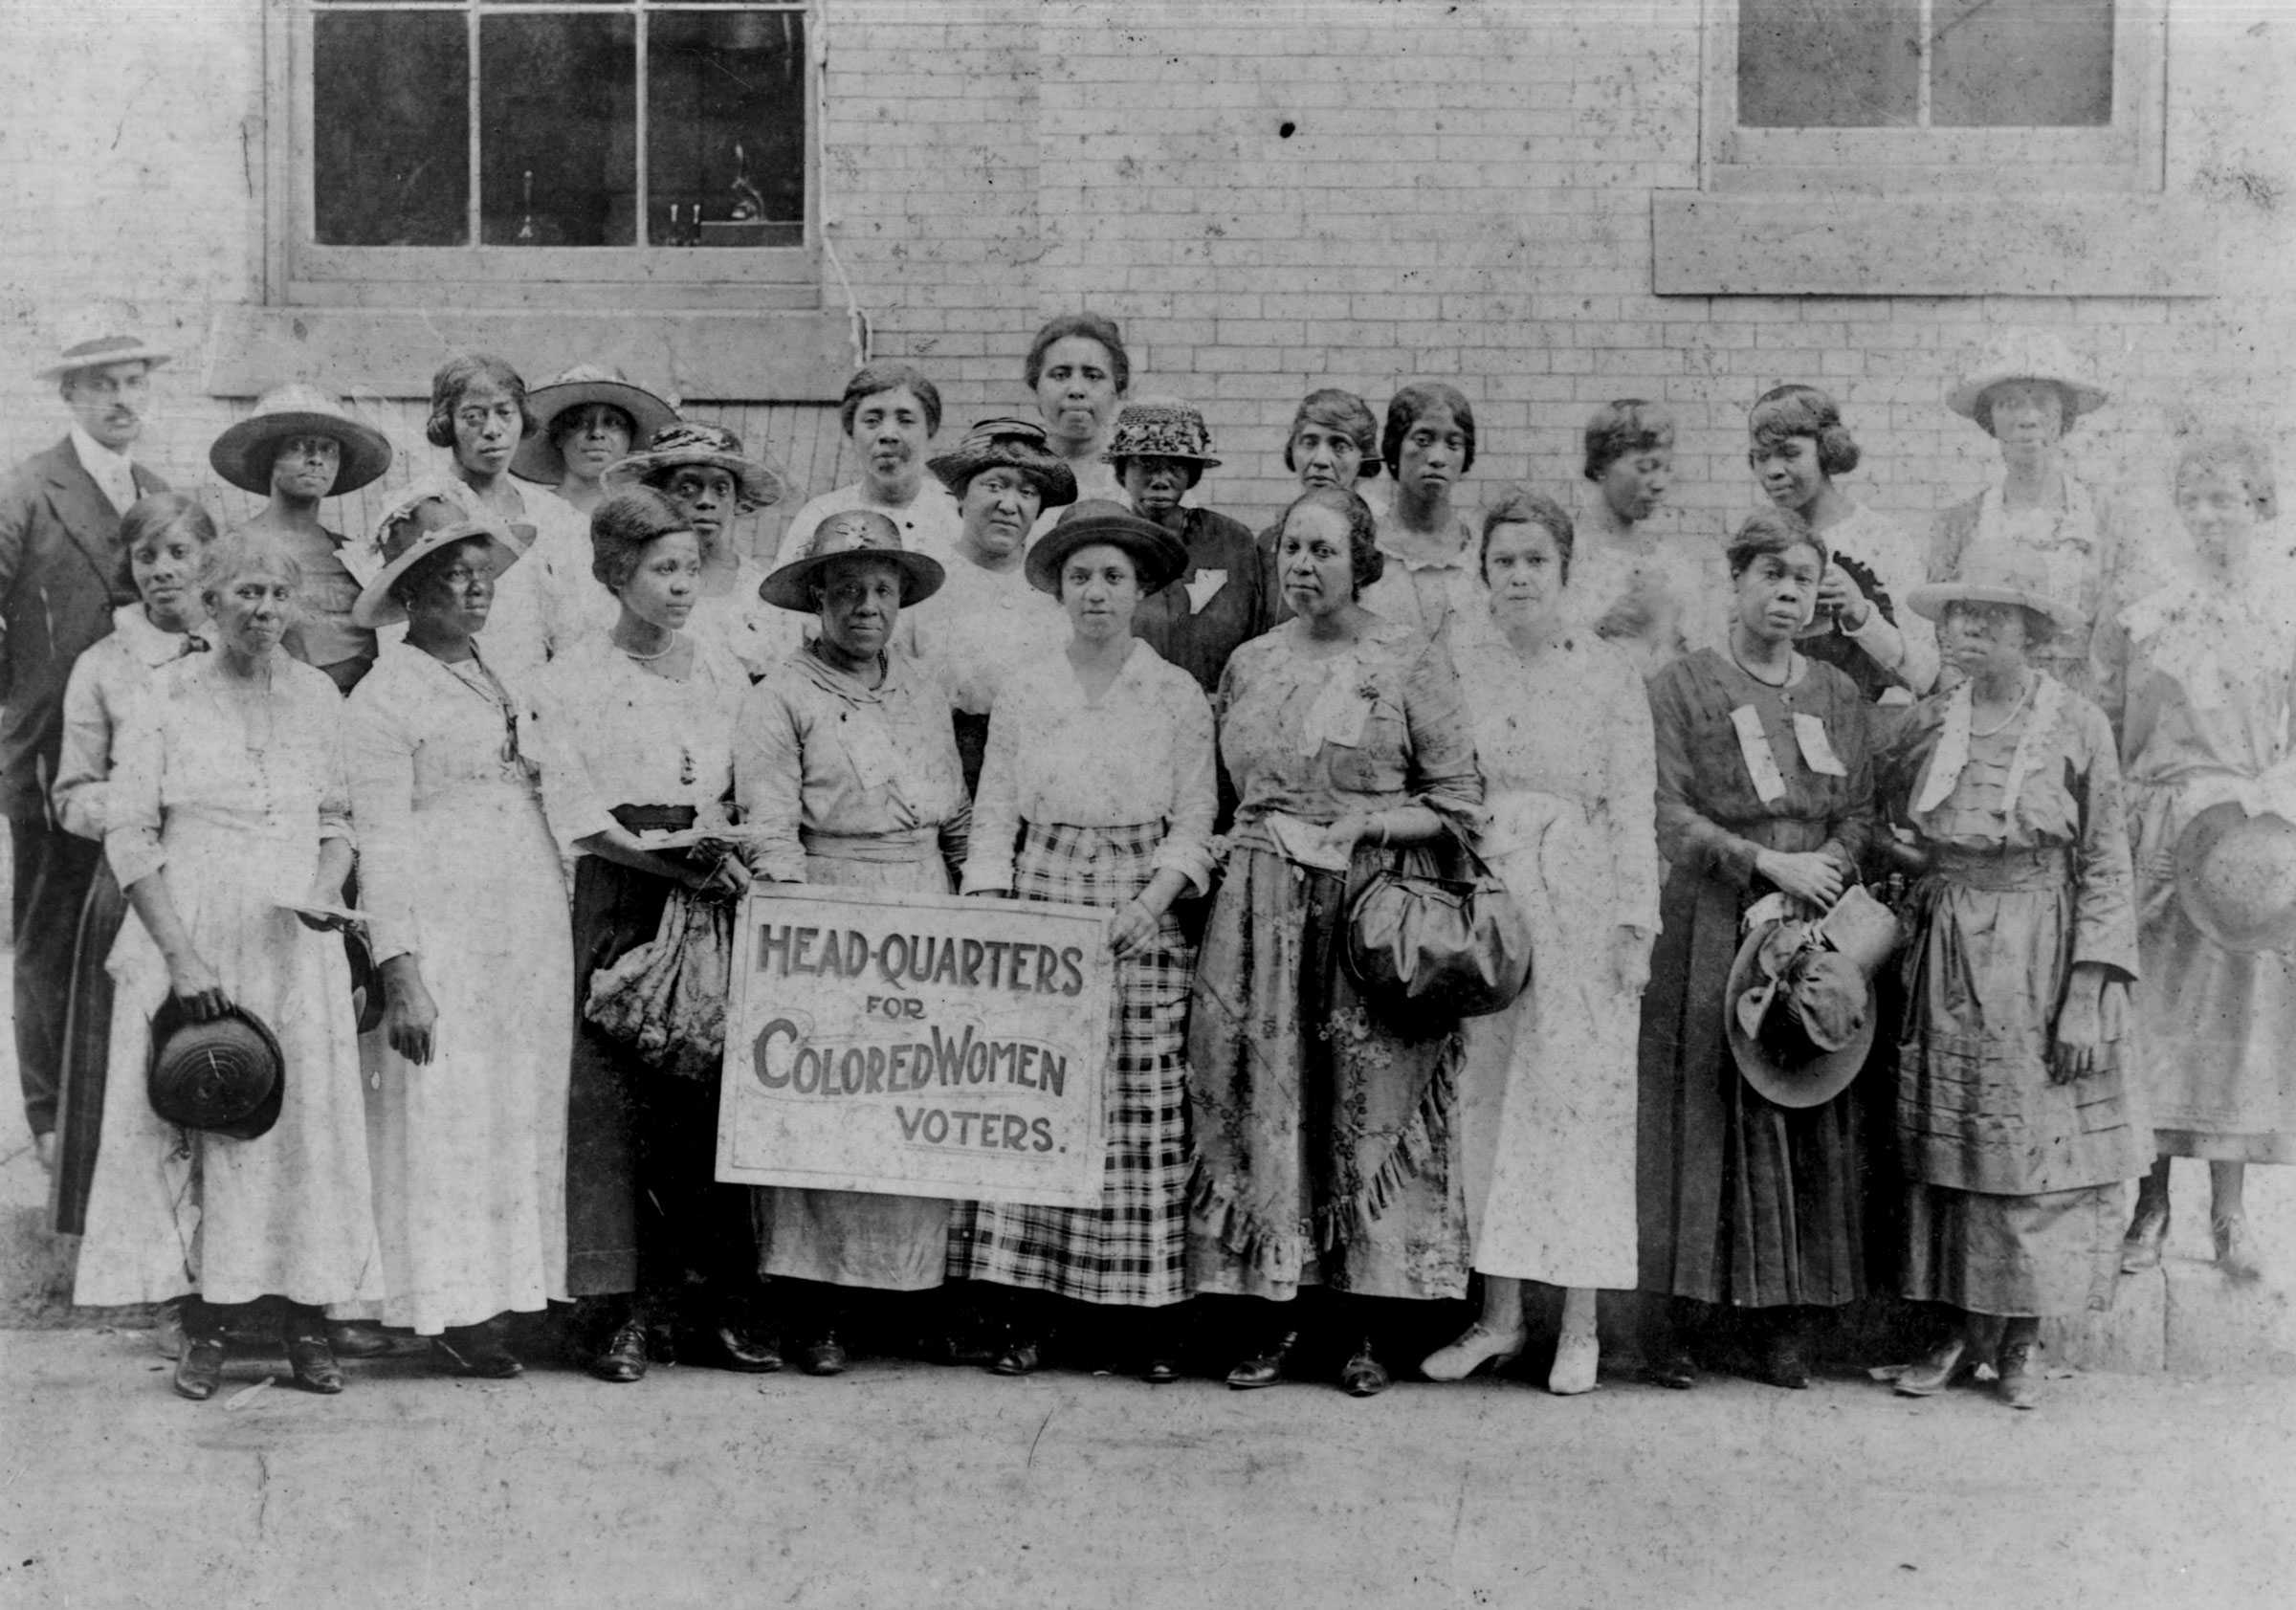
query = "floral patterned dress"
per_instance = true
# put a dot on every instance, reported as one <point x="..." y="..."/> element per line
<point x="1323" y="1155"/>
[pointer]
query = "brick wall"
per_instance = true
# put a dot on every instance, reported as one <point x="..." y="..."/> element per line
<point x="1464" y="192"/>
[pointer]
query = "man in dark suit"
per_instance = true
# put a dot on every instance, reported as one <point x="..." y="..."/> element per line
<point x="61" y="574"/>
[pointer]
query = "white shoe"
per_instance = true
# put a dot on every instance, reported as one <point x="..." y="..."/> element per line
<point x="1576" y="1357"/>
<point x="45" y="1147"/>
<point x="1477" y="1346"/>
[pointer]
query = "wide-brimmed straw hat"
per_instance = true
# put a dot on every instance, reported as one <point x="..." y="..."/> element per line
<point x="242" y="454"/>
<point x="419" y="531"/>
<point x="100" y="350"/>
<point x="226" y="1076"/>
<point x="1160" y="427"/>
<point x="1158" y="555"/>
<point x="2029" y="357"/>
<point x="2236" y="877"/>
<point x="1799" y="1008"/>
<point x="843" y="536"/>
<point x="1995" y="572"/>
<point x="757" y="481"/>
<point x="538" y="458"/>
<point x="1019" y="444"/>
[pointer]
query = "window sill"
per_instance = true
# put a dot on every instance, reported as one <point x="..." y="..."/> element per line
<point x="761" y="356"/>
<point x="2021" y="245"/>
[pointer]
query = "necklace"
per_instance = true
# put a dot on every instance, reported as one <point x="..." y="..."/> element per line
<point x="1732" y="642"/>
<point x="2023" y="693"/>
<point x="659" y="654"/>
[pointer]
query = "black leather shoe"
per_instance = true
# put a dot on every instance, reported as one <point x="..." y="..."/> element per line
<point x="476" y="1351"/>
<point x="623" y="1359"/>
<point x="312" y="1362"/>
<point x="199" y="1368"/>
<point x="732" y="1347"/>
<point x="1020" y="1356"/>
<point x="1782" y="1365"/>
<point x="1673" y="1369"/>
<point x="358" y="1338"/>
<point x="823" y="1355"/>
<point x="1363" y="1376"/>
<point x="1264" y="1369"/>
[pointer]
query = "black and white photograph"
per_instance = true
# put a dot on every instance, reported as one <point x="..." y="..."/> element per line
<point x="1148" y="805"/>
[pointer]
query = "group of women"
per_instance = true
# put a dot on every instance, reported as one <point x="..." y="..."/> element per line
<point x="1037" y="666"/>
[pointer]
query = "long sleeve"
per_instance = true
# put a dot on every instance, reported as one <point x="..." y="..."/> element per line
<point x="1194" y="804"/>
<point x="2105" y="896"/>
<point x="379" y="753"/>
<point x="335" y="782"/>
<point x="1443" y="774"/>
<point x="131" y="834"/>
<point x="570" y="795"/>
<point x="2109" y="649"/>
<point x="1686" y="837"/>
<point x="1630" y="771"/>
<point x="770" y="778"/>
<point x="1852" y="826"/>
<point x="84" y="763"/>
<point x="1906" y="648"/>
<point x="996" y="813"/>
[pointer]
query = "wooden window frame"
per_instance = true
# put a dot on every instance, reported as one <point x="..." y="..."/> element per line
<point x="299" y="271"/>
<point x="2127" y="155"/>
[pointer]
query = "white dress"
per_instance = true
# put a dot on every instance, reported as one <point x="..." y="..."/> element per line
<point x="288" y="1213"/>
<point x="978" y="627"/>
<point x="1548" y="1090"/>
<point x="1658" y="594"/>
<point x="457" y="866"/>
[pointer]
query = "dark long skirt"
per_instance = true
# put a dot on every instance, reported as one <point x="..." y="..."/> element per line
<point x="1740" y="1201"/>
<point x="644" y="1209"/>
<point x="87" y="1054"/>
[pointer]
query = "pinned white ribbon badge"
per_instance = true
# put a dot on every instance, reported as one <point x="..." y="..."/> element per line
<point x="1754" y="747"/>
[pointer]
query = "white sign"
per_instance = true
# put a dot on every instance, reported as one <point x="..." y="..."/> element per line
<point x="920" y="1045"/>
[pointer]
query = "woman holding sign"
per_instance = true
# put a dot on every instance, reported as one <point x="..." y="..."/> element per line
<point x="1124" y="825"/>
<point x="1321" y="1132"/>
<point x="845" y="765"/>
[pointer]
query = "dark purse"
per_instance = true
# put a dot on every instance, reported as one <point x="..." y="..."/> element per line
<point x="1448" y="943"/>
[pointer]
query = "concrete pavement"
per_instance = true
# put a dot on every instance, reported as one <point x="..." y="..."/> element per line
<point x="911" y="1485"/>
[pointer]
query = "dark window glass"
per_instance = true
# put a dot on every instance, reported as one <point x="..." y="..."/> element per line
<point x="725" y="95"/>
<point x="1829" y="63"/>
<point x="391" y="129"/>
<point x="2021" y="63"/>
<point x="558" y="115"/>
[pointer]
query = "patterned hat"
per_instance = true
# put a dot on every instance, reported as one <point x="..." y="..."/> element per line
<point x="1160" y="427"/>
<point x="757" y="483"/>
<point x="1018" y="444"/>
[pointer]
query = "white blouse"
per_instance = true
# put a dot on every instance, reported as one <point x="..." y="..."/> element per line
<point x="978" y="627"/>
<point x="614" y="734"/>
<point x="1141" y="753"/>
<point x="110" y="678"/>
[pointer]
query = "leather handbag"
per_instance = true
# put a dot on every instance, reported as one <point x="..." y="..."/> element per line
<point x="1430" y="945"/>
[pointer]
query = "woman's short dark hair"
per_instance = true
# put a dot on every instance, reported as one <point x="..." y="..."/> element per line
<point x="155" y="515"/>
<point x="1404" y="409"/>
<point x="1621" y="428"/>
<point x="1339" y="410"/>
<point x="1771" y="531"/>
<point x="870" y="379"/>
<point x="1365" y="562"/>
<point x="1785" y="411"/>
<point x="456" y="376"/>
<point x="1093" y="326"/>
<point x="1520" y="505"/>
<point x="622" y="526"/>
<point x="2238" y="451"/>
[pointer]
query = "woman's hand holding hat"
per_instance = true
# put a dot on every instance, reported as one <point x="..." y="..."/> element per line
<point x="1811" y="875"/>
<point x="195" y="985"/>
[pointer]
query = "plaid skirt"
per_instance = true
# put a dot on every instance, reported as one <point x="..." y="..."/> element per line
<point x="1132" y="1247"/>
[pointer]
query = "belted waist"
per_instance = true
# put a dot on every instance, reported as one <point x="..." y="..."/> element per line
<point x="653" y="818"/>
<point x="907" y="846"/>
<point x="2047" y="868"/>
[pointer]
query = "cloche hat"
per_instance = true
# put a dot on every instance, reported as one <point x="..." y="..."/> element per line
<point x="842" y="536"/>
<point x="1160" y="427"/>
<point x="757" y="483"/>
<point x="538" y="458"/>
<point x="1158" y="555"/>
<point x="1019" y="444"/>
<point x="242" y="454"/>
